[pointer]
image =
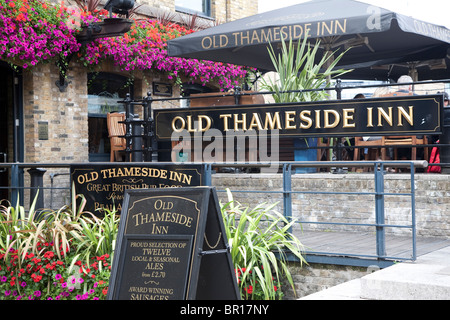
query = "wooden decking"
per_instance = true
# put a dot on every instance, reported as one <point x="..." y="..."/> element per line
<point x="356" y="244"/>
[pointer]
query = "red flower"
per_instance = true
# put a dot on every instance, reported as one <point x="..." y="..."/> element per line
<point x="249" y="289"/>
<point x="49" y="254"/>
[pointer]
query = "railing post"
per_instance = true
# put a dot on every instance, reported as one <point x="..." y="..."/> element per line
<point x="237" y="94"/>
<point x="287" y="196"/>
<point x="15" y="185"/>
<point x="151" y="145"/>
<point x="413" y="214"/>
<point x="37" y="185"/>
<point x="379" y="210"/>
<point x="208" y="177"/>
<point x="445" y="140"/>
<point x="128" y="132"/>
<point x="338" y="88"/>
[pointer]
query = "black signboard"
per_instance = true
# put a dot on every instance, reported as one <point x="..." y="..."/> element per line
<point x="161" y="263"/>
<point x="172" y="245"/>
<point x="416" y="115"/>
<point x="104" y="185"/>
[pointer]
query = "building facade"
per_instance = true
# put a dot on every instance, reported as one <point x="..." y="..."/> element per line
<point x="44" y="123"/>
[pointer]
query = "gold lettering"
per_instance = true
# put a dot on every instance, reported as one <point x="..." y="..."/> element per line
<point x="317" y="118"/>
<point x="189" y="122"/>
<point x="266" y="37"/>
<point x="337" y="118"/>
<point x="307" y="28"/>
<point x="276" y="34"/>
<point x="343" y="29"/>
<point x="223" y="40"/>
<point x="235" y="34"/>
<point x="225" y="118"/>
<point x="369" y="117"/>
<point x="290" y="117"/>
<point x="255" y="37"/>
<point x="304" y="116"/>
<point x="329" y="29"/>
<point x="200" y="125"/>
<point x="298" y="31"/>
<point x="247" y="37"/>
<point x="346" y="117"/>
<point x="206" y="45"/>
<point x="256" y="122"/>
<point x="382" y="114"/>
<point x="272" y="121"/>
<point x="403" y="114"/>
<point x="284" y="34"/>
<point x="242" y="121"/>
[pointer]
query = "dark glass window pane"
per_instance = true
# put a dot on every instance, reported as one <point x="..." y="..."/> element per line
<point x="104" y="90"/>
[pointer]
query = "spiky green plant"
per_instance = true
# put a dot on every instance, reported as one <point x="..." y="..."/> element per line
<point x="259" y="238"/>
<point x="68" y="227"/>
<point x="298" y="70"/>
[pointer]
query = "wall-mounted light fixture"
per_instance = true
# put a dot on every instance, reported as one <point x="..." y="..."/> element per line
<point x="119" y="6"/>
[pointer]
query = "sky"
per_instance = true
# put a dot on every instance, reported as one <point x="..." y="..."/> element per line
<point x="434" y="11"/>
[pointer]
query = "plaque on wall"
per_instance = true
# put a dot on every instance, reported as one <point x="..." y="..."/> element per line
<point x="162" y="89"/>
<point x="104" y="186"/>
<point x="43" y="130"/>
<point x="172" y="245"/>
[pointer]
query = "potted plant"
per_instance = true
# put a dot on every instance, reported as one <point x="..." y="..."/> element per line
<point x="299" y="78"/>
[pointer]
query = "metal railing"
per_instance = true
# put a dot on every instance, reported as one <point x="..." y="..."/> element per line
<point x="380" y="258"/>
<point x="287" y="193"/>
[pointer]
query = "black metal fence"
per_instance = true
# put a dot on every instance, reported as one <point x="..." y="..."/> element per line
<point x="44" y="193"/>
<point x="142" y="145"/>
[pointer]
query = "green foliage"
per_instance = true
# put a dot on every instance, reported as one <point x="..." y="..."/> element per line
<point x="67" y="253"/>
<point x="62" y="254"/>
<point x="255" y="237"/>
<point x="298" y="70"/>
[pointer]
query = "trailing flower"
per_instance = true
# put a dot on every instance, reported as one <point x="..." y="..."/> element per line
<point x="51" y="258"/>
<point x="34" y="31"/>
<point x="47" y="277"/>
<point x="251" y="288"/>
<point x="144" y="47"/>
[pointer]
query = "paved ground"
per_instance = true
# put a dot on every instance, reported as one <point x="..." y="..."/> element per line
<point x="427" y="278"/>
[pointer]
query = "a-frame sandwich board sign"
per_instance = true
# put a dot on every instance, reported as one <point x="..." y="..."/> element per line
<point x="172" y="245"/>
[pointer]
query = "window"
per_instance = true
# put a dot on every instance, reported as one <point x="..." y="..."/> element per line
<point x="200" y="7"/>
<point x="104" y="92"/>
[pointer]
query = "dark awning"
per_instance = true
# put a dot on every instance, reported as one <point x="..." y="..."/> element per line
<point x="377" y="37"/>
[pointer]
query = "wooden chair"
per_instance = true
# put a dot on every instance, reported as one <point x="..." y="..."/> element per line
<point x="323" y="152"/>
<point x="403" y="140"/>
<point x="116" y="131"/>
<point x="371" y="144"/>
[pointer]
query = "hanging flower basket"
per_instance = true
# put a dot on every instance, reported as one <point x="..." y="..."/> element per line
<point x="37" y="31"/>
<point x="109" y="27"/>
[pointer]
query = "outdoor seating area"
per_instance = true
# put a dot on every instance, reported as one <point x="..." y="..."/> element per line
<point x="352" y="148"/>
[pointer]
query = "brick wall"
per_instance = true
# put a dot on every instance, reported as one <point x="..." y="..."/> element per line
<point x="64" y="113"/>
<point x="432" y="199"/>
<point x="432" y="192"/>
<point x="312" y="278"/>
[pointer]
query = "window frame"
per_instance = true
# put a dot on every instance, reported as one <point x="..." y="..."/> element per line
<point x="204" y="14"/>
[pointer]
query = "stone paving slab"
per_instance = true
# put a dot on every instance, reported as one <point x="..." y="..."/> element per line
<point x="427" y="278"/>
